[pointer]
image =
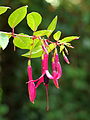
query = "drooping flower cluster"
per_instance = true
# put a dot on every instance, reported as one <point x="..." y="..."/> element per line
<point x="39" y="44"/>
<point x="45" y="75"/>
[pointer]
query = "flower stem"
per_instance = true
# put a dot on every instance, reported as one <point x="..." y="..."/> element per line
<point x="47" y="99"/>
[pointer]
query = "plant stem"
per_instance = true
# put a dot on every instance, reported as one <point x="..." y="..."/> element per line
<point x="47" y="99"/>
<point x="9" y="33"/>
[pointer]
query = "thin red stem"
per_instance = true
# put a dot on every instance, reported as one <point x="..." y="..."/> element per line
<point x="47" y="99"/>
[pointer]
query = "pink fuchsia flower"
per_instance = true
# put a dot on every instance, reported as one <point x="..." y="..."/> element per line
<point x="44" y="78"/>
<point x="31" y="85"/>
<point x="45" y="73"/>
<point x="65" y="58"/>
<point x="56" y="69"/>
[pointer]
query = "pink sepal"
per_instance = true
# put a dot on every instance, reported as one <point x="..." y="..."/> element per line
<point x="40" y="80"/>
<point x="29" y="70"/>
<point x="32" y="91"/>
<point x="55" y="81"/>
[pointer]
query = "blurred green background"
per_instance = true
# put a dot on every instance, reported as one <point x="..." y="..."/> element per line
<point x="72" y="100"/>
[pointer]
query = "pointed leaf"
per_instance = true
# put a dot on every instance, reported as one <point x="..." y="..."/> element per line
<point x="52" y="25"/>
<point x="7" y="34"/>
<point x="42" y="32"/>
<point x="51" y="47"/>
<point x="22" y="42"/>
<point x="17" y="16"/>
<point x="4" y="40"/>
<point x="57" y="35"/>
<point x="37" y="52"/>
<point x="33" y="20"/>
<point x="3" y="9"/>
<point x="68" y="39"/>
<point x="61" y="48"/>
<point x="25" y="42"/>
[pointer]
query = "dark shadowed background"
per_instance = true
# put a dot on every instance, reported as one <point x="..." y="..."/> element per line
<point x="72" y="100"/>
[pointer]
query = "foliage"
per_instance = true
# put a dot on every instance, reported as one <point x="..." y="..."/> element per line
<point x="35" y="42"/>
<point x="72" y="100"/>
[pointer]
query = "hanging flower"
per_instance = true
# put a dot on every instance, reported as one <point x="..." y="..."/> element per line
<point x="45" y="73"/>
<point x="56" y="69"/>
<point x="31" y="85"/>
<point x="45" y="77"/>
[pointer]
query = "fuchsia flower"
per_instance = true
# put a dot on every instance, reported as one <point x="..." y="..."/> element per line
<point x="31" y="85"/>
<point x="56" y="69"/>
<point x="44" y="78"/>
<point x="45" y="73"/>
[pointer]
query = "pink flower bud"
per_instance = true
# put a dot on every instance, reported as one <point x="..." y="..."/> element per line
<point x="66" y="59"/>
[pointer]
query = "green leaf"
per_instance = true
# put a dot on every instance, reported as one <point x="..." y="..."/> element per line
<point x="4" y="40"/>
<point x="23" y="42"/>
<point x="17" y="16"/>
<point x="52" y="25"/>
<point x="68" y="39"/>
<point x="37" y="52"/>
<point x="57" y="35"/>
<point x="36" y="43"/>
<point x="33" y="20"/>
<point x="7" y="34"/>
<point x="3" y="9"/>
<point x="51" y="47"/>
<point x="42" y="32"/>
<point x="61" y="48"/>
